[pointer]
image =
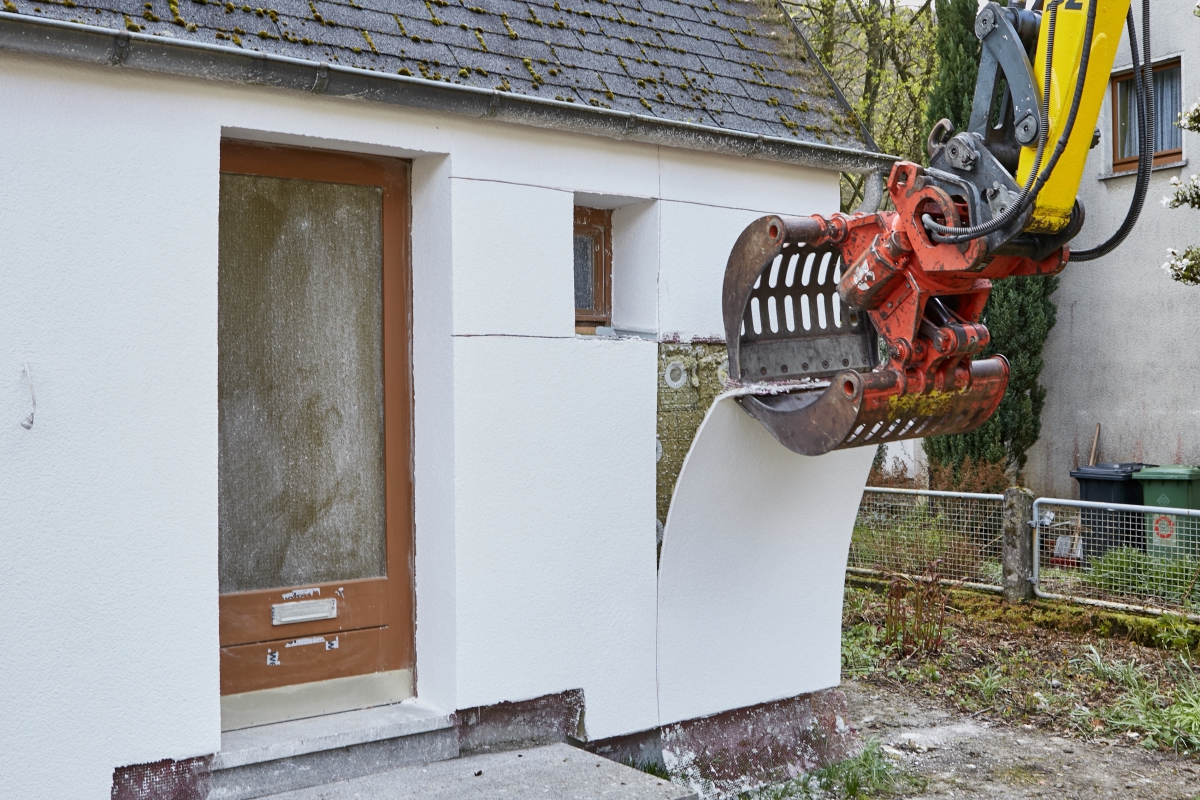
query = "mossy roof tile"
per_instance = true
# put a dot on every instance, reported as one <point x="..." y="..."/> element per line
<point x="735" y="64"/>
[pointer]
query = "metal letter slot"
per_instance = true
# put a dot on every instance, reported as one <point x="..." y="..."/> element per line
<point x="303" y="611"/>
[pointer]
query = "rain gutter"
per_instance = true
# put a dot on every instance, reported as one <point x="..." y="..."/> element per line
<point x="90" y="44"/>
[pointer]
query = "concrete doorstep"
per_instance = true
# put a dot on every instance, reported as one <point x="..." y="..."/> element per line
<point x="555" y="771"/>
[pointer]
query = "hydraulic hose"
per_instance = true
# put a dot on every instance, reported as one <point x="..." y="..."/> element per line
<point x="1144" y="86"/>
<point x="944" y="233"/>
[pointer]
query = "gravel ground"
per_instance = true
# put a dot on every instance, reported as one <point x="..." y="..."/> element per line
<point x="963" y="756"/>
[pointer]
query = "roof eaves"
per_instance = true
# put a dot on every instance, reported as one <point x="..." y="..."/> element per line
<point x="104" y="46"/>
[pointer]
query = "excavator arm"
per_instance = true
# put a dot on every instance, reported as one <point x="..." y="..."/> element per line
<point x="854" y="330"/>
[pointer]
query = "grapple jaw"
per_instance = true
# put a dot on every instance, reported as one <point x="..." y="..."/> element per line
<point x="857" y="409"/>
<point x="807" y="363"/>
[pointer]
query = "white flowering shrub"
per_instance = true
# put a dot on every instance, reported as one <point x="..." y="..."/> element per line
<point x="1189" y="118"/>
<point x="1184" y="193"/>
<point x="1184" y="267"/>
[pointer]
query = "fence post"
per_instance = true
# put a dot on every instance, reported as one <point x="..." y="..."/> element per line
<point x="1017" y="546"/>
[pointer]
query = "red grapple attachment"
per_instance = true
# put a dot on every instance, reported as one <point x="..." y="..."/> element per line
<point x="807" y="362"/>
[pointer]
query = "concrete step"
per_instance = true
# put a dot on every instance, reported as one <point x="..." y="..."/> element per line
<point x="556" y="771"/>
<point x="256" y="762"/>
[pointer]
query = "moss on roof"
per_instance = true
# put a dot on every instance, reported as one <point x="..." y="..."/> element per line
<point x="726" y="63"/>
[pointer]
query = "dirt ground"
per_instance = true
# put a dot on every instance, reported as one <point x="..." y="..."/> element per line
<point x="965" y="757"/>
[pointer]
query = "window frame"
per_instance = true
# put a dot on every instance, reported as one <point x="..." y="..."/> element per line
<point x="596" y="222"/>
<point x="1161" y="157"/>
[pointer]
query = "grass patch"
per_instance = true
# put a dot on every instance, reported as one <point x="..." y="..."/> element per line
<point x="987" y="683"/>
<point x="1164" y="713"/>
<point x="649" y="766"/>
<point x="1072" y="669"/>
<point x="869" y="774"/>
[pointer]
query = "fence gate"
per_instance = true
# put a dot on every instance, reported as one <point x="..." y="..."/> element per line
<point x="1135" y="558"/>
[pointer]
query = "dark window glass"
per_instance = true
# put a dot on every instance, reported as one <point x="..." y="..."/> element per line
<point x="592" y="250"/>
<point x="585" y="272"/>
<point x="1168" y="102"/>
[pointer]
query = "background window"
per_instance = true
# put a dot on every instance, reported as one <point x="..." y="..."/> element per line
<point x="593" y="268"/>
<point x="1168" y="138"/>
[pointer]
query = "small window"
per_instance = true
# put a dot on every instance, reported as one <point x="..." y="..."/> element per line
<point x="593" y="268"/>
<point x="1168" y="101"/>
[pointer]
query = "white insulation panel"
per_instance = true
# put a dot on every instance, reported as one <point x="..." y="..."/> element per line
<point x="753" y="563"/>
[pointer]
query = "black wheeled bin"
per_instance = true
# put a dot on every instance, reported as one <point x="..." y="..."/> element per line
<point x="1105" y="529"/>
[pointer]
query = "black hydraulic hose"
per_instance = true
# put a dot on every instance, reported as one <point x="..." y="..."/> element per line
<point x="943" y="233"/>
<point x="1144" y="85"/>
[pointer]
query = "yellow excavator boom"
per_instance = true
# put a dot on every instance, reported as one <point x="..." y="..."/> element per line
<point x="1052" y="209"/>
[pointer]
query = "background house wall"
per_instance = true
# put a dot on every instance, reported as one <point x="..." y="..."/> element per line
<point x="1125" y="350"/>
<point x="534" y="449"/>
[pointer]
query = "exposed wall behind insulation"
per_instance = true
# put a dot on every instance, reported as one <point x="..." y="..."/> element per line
<point x="690" y="376"/>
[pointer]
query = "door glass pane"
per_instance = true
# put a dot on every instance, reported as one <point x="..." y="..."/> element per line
<point x="585" y="266"/>
<point x="300" y="373"/>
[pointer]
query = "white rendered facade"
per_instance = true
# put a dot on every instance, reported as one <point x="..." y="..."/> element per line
<point x="535" y="568"/>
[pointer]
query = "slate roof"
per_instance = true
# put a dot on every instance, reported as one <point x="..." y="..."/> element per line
<point x="729" y="64"/>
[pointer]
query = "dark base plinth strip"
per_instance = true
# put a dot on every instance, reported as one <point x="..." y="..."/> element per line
<point x="163" y="780"/>
<point x="549" y="718"/>
<point x="746" y="748"/>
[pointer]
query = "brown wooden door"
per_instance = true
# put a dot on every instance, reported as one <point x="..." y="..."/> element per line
<point x="315" y="421"/>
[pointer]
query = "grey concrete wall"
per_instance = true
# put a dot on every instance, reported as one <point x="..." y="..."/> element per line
<point x="1126" y="350"/>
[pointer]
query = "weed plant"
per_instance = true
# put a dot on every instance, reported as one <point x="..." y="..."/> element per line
<point x="987" y="682"/>
<point x="869" y="774"/>
<point x="916" y="612"/>
<point x="649" y="766"/>
<point x="862" y="650"/>
<point x="1164" y="717"/>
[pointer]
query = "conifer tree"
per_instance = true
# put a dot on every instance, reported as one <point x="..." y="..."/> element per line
<point x="1019" y="313"/>
<point x="958" y="63"/>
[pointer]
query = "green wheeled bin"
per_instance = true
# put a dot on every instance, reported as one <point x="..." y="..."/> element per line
<point x="1174" y="486"/>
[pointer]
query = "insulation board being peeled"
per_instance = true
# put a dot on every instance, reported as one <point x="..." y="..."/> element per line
<point x="752" y="568"/>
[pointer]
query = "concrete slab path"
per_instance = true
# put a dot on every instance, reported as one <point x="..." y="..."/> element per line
<point x="556" y="771"/>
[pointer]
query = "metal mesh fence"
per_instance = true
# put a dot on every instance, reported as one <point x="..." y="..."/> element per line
<point x="904" y="530"/>
<point x="1142" y="556"/>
